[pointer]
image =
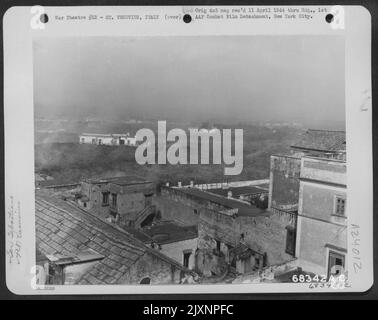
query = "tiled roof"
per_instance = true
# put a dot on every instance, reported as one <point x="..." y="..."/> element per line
<point x="64" y="230"/>
<point x="61" y="232"/>
<point x="169" y="232"/>
<point x="322" y="140"/>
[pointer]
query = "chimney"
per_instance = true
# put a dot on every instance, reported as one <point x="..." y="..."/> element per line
<point x="229" y="194"/>
<point x="179" y="184"/>
<point x="191" y="183"/>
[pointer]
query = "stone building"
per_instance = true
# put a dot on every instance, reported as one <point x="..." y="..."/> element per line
<point x="76" y="247"/>
<point x="126" y="200"/>
<point x="175" y="241"/>
<point x="313" y="179"/>
<point x="108" y="139"/>
<point x="232" y="233"/>
<point x="322" y="216"/>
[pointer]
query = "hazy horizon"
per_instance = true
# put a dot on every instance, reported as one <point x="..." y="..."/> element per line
<point x="243" y="78"/>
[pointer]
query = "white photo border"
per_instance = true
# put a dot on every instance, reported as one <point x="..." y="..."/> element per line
<point x="19" y="127"/>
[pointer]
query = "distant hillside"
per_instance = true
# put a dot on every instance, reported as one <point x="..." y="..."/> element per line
<point x="70" y="162"/>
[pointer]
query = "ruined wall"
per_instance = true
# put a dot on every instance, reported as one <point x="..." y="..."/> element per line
<point x="284" y="182"/>
<point x="264" y="234"/>
<point x="213" y="225"/>
<point x="268" y="235"/>
<point x="209" y="264"/>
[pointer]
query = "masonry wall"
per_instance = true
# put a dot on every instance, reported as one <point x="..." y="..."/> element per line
<point x="330" y="171"/>
<point x="94" y="194"/>
<point x="318" y="227"/>
<point x="128" y="205"/>
<point x="175" y="250"/>
<point x="264" y="234"/>
<point x="191" y="201"/>
<point x="145" y="188"/>
<point x="177" y="206"/>
<point x="317" y="237"/>
<point x="172" y="210"/>
<point x="131" y="199"/>
<point x="318" y="202"/>
<point x="284" y="182"/>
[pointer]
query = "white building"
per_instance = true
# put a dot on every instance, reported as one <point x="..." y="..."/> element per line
<point x="108" y="139"/>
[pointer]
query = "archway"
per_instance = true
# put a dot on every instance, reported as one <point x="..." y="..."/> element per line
<point x="146" y="280"/>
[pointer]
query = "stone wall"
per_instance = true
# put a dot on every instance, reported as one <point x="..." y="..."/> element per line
<point x="318" y="228"/>
<point x="129" y="204"/>
<point x="284" y="182"/>
<point x="318" y="202"/>
<point x="264" y="234"/>
<point x="328" y="171"/>
<point x="317" y="238"/>
<point x="94" y="194"/>
<point x="190" y="200"/>
<point x="175" y="206"/>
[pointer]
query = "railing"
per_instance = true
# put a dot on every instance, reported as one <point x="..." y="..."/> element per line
<point x="292" y="215"/>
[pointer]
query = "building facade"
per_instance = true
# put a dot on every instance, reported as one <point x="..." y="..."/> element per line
<point x="322" y="216"/>
<point x="126" y="200"/>
<point x="233" y="234"/>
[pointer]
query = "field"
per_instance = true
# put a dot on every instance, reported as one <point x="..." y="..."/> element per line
<point x="67" y="161"/>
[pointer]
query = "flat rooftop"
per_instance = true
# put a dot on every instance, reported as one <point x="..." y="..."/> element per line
<point x="121" y="181"/>
<point x="240" y="191"/>
<point x="243" y="209"/>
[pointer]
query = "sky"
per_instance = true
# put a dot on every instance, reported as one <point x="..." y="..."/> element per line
<point x="239" y="78"/>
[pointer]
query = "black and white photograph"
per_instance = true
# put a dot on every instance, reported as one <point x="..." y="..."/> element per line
<point x="191" y="160"/>
<point x="104" y="218"/>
